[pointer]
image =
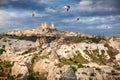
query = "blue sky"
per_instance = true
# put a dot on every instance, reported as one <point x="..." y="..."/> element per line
<point x="97" y="17"/>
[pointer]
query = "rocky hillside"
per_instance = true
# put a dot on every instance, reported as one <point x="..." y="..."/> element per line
<point x="46" y="53"/>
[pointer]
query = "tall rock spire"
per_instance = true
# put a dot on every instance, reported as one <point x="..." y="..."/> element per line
<point x="52" y="26"/>
<point x="44" y="25"/>
<point x="37" y="44"/>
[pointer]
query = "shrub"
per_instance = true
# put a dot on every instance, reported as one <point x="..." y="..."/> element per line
<point x="3" y="46"/>
<point x="74" y="69"/>
<point x="67" y="61"/>
<point x="98" y="69"/>
<point x="95" y="40"/>
<point x="80" y="65"/>
<point x="79" y="59"/>
<point x="19" y="75"/>
<point x="84" y="73"/>
<point x="90" y="78"/>
<point x="117" y="67"/>
<point x="1" y="51"/>
<point x="112" y="71"/>
<point x="102" y="51"/>
<point x="92" y="74"/>
<point x="6" y="64"/>
<point x="33" y="76"/>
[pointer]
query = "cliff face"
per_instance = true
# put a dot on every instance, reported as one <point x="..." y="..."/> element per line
<point x="48" y="53"/>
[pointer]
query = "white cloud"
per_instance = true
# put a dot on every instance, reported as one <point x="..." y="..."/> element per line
<point x="68" y="20"/>
<point x="85" y="2"/>
<point x="50" y="10"/>
<point x="40" y="15"/>
<point x="5" y="17"/>
<point x="91" y="20"/>
<point x="100" y="27"/>
<point x="14" y="19"/>
<point x="46" y="1"/>
<point x="43" y="1"/>
<point x="104" y="27"/>
<point x="90" y="6"/>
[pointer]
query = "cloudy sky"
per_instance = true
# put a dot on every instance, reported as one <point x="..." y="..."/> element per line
<point x="96" y="17"/>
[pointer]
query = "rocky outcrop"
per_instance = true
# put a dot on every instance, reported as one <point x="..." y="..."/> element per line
<point x="88" y="73"/>
<point x="37" y="44"/>
<point x="61" y="55"/>
<point x="69" y="75"/>
<point x="19" y="70"/>
<point x="53" y="56"/>
<point x="38" y="67"/>
<point x="51" y="70"/>
<point x="69" y="51"/>
<point x="56" y="73"/>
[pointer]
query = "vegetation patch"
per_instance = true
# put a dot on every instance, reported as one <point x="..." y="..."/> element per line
<point x="6" y="64"/>
<point x="1" y="51"/>
<point x="5" y="70"/>
<point x="80" y="66"/>
<point x="116" y="67"/>
<point x="92" y="74"/>
<point x="78" y="39"/>
<point x="49" y="39"/>
<point x="73" y="68"/>
<point x="76" y="60"/>
<point x="99" y="60"/>
<point x="33" y="76"/>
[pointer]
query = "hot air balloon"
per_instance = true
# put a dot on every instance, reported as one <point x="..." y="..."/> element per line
<point x="78" y="19"/>
<point x="67" y="7"/>
<point x="33" y="14"/>
<point x="107" y="27"/>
